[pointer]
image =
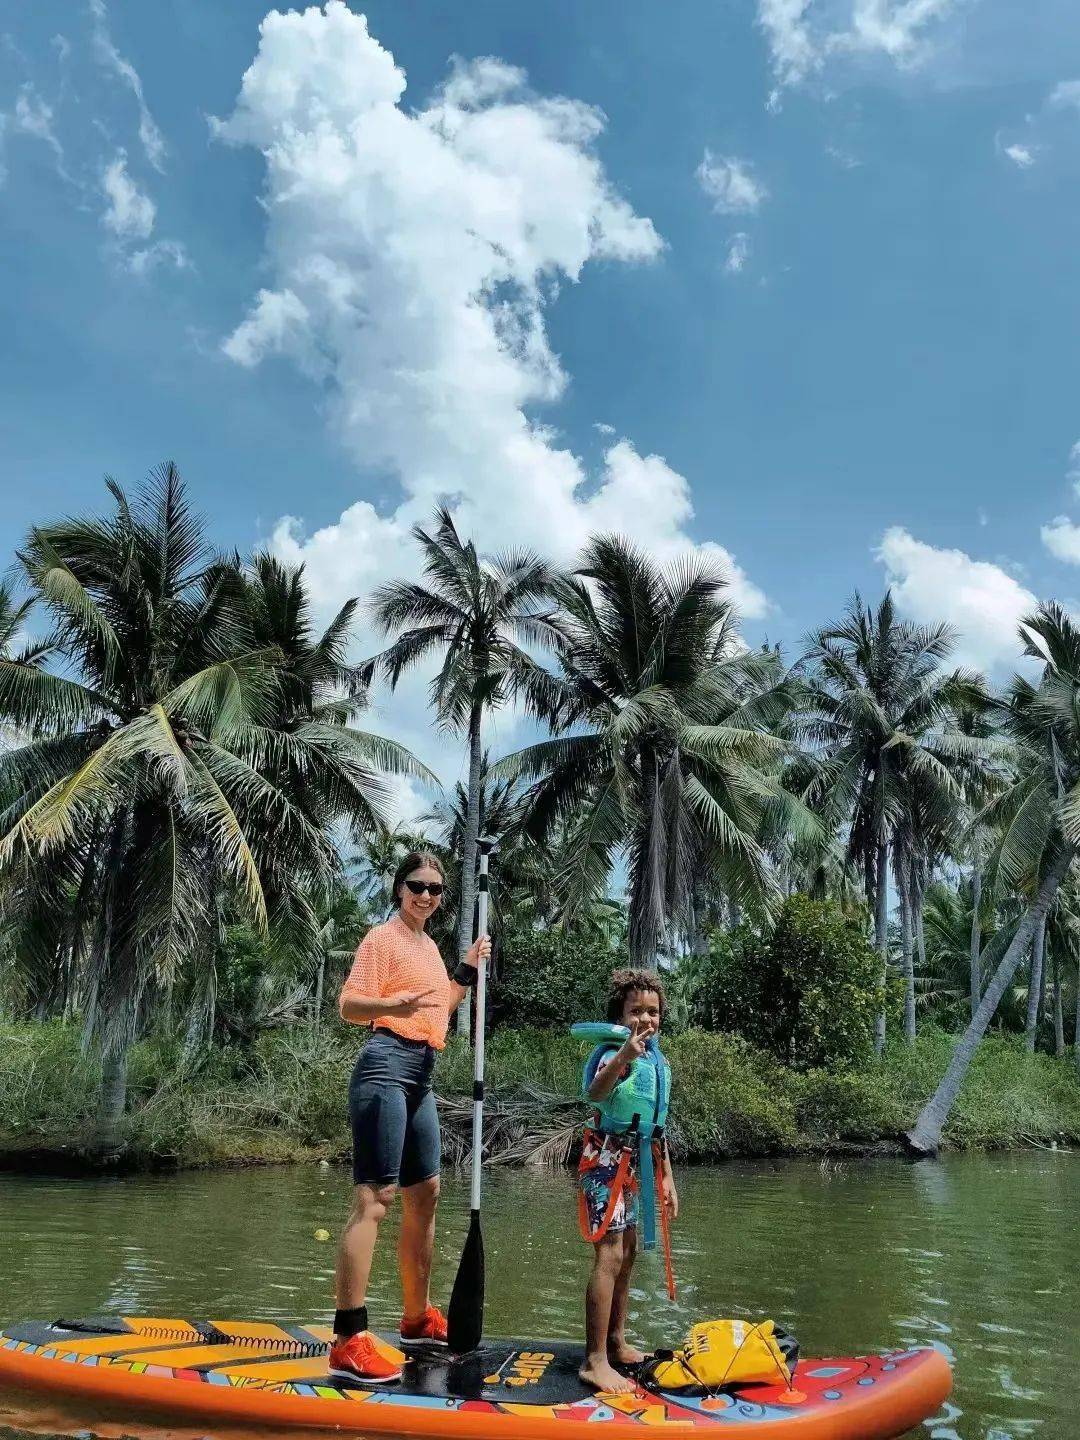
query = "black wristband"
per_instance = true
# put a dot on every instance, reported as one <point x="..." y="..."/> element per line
<point x="465" y="974"/>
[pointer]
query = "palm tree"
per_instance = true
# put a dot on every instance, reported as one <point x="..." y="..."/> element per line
<point x="479" y="614"/>
<point x="170" y="761"/>
<point x="1039" y="820"/>
<point x="881" y="713"/>
<point x="30" y="932"/>
<point x="379" y="853"/>
<point x="309" y="742"/>
<point x="663" y="748"/>
<point x="1036" y="996"/>
<point x="943" y="981"/>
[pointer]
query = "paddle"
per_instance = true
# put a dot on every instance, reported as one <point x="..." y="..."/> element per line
<point x="465" y="1315"/>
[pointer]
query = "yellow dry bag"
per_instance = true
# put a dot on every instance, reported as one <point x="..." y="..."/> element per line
<point x="726" y="1352"/>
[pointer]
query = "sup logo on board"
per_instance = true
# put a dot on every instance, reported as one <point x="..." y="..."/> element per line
<point x="526" y="1367"/>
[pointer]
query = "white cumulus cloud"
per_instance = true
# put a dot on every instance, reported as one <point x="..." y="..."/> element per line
<point x="983" y="602"/>
<point x="277" y="324"/>
<point x="412" y="252"/>
<point x="803" y="35"/>
<point x="730" y="183"/>
<point x="1062" y="538"/>
<point x="129" y="212"/>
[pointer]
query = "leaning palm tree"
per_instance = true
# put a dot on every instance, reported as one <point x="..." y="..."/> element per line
<point x="880" y="714"/>
<point x="664" y="748"/>
<point x="479" y="614"/>
<point x="1039" y="821"/>
<point x="158" y="783"/>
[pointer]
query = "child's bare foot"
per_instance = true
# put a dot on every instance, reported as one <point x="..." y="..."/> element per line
<point x="620" y="1352"/>
<point x="599" y="1373"/>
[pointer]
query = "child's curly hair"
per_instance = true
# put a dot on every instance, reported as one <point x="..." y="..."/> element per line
<point x="624" y="983"/>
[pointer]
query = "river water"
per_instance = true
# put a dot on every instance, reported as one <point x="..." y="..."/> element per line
<point x="976" y="1255"/>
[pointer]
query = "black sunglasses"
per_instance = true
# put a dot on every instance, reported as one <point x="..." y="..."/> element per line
<point x="417" y="887"/>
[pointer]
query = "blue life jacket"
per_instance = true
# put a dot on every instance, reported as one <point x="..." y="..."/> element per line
<point x="639" y="1102"/>
<point x="637" y="1107"/>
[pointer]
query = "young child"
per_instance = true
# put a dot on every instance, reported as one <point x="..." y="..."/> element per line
<point x="624" y="1081"/>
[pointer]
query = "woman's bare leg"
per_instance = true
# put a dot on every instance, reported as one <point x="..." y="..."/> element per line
<point x="370" y="1204"/>
<point x="416" y="1245"/>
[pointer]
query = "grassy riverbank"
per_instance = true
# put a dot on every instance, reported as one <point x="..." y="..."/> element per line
<point x="283" y="1098"/>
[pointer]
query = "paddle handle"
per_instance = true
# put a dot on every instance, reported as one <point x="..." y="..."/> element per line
<point x="478" y="1048"/>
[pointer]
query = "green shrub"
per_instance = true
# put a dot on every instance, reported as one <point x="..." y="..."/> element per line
<point x="550" y="978"/>
<point x="550" y="1061"/>
<point x="808" y="992"/>
<point x="727" y="1098"/>
<point x="49" y="1086"/>
<point x="857" y="1106"/>
<point x="284" y="1096"/>
<point x="1007" y="1094"/>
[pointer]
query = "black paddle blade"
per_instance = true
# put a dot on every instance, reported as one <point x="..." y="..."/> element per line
<point x="465" y="1317"/>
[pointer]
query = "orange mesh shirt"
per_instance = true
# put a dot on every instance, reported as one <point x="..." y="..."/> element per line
<point x="392" y="958"/>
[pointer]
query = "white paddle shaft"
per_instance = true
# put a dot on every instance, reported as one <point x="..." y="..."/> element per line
<point x="478" y="1051"/>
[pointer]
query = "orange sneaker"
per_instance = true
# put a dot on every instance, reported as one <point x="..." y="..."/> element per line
<point x="361" y="1358"/>
<point x="431" y="1326"/>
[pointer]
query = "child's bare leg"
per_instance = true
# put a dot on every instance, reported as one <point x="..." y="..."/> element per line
<point x="620" y="1352"/>
<point x="597" y="1369"/>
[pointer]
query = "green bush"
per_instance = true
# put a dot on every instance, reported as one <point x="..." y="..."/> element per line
<point x="284" y="1096"/>
<point x="550" y="1061"/>
<point x="727" y="1098"/>
<point x="808" y="992"/>
<point x="855" y="1106"/>
<point x="550" y="978"/>
<point x="1007" y="1095"/>
<point x="49" y="1085"/>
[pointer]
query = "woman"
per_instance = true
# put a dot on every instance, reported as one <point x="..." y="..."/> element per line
<point x="399" y="986"/>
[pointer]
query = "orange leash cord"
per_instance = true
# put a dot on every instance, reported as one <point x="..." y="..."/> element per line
<point x="665" y="1224"/>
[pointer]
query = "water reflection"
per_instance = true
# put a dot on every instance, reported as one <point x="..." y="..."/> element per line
<point x="970" y="1256"/>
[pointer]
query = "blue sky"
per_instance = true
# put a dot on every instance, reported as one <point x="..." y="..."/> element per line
<point x="799" y="279"/>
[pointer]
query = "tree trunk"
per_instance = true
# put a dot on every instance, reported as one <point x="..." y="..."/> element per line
<point x="466" y="915"/>
<point x="925" y="1136"/>
<point x="1059" y="1012"/>
<point x="975" y="971"/>
<point x="1076" y="1019"/>
<point x="1035" y="987"/>
<point x="696" y="937"/>
<point x="648" y="893"/>
<point x="112" y="1098"/>
<point x="881" y="936"/>
<point x="920" y="928"/>
<point x="904" y="888"/>
<point x="320" y="981"/>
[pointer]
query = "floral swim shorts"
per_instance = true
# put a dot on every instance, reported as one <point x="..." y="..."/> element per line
<point x="603" y="1157"/>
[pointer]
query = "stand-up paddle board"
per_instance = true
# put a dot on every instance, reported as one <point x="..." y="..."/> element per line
<point x="276" y="1375"/>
